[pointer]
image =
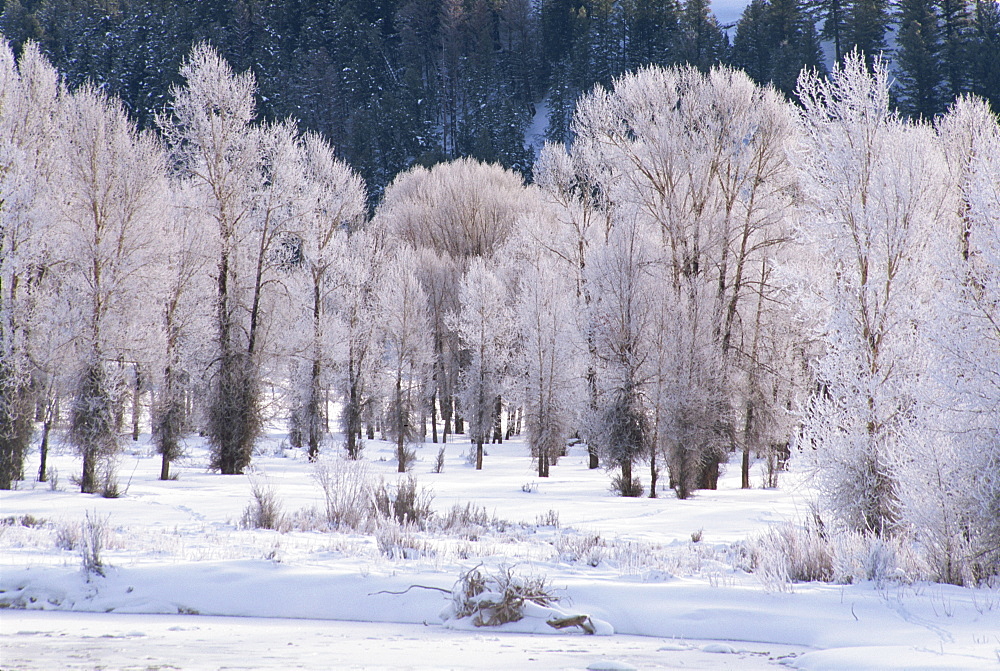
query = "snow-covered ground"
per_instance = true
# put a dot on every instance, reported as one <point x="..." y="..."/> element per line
<point x="185" y="587"/>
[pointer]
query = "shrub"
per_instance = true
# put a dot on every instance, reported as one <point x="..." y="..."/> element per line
<point x="347" y="491"/>
<point x="549" y="519"/>
<point x="623" y="487"/>
<point x="439" y="461"/>
<point x="403" y="503"/>
<point x="492" y="599"/>
<point x="397" y="541"/>
<point x="587" y="549"/>
<point x="67" y="536"/>
<point x="264" y="511"/>
<point x="93" y="538"/>
<point x="788" y="553"/>
<point x="861" y="556"/>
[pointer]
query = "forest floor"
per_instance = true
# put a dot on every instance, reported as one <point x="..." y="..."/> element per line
<point x="186" y="586"/>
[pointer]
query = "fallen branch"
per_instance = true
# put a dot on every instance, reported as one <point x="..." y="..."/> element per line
<point x="385" y="591"/>
<point x="582" y="621"/>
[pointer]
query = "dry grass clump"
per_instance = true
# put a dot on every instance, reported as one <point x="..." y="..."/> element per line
<point x="492" y="599"/>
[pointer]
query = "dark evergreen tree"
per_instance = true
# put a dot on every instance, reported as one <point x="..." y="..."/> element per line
<point x="866" y="27"/>
<point x="702" y="43"/>
<point x="956" y="45"/>
<point x="833" y="16"/>
<point x="984" y="47"/>
<point x="921" y="87"/>
<point x="651" y="30"/>
<point x="774" y="40"/>
<point x="559" y="28"/>
<point x="19" y="22"/>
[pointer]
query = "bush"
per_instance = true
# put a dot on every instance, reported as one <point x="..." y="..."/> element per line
<point x="439" y="461"/>
<point x="93" y="538"/>
<point x="492" y="599"/>
<point x="589" y="549"/>
<point x="549" y="519"/>
<point x="347" y="491"/>
<point x="788" y="553"/>
<point x="264" y="511"/>
<point x="860" y="556"/>
<point x="397" y="541"/>
<point x="67" y="537"/>
<point x="403" y="503"/>
<point x="623" y="487"/>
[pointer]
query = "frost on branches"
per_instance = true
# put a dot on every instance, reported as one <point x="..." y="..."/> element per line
<point x="876" y="187"/>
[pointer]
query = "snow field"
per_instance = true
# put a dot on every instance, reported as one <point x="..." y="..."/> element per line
<point x="176" y="548"/>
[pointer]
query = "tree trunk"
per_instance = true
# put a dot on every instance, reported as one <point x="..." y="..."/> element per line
<point x="313" y="411"/>
<point x="745" y="466"/>
<point x="136" y="407"/>
<point x="88" y="478"/>
<point x="326" y="410"/>
<point x="654" y="474"/>
<point x="709" y="475"/>
<point x="434" y="420"/>
<point x="498" y="420"/>
<point x="165" y="467"/>
<point x="626" y="466"/>
<point x="43" y="449"/>
<point x="511" y="416"/>
<point x="479" y="454"/>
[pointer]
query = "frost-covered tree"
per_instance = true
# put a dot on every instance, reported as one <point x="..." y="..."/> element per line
<point x="875" y="185"/>
<point x="29" y="98"/>
<point x="108" y="195"/>
<point x="452" y="213"/>
<point x="700" y="160"/>
<point x="407" y="353"/>
<point x="949" y="489"/>
<point x="326" y="200"/>
<point x="183" y="292"/>
<point x="356" y="278"/>
<point x="570" y="185"/>
<point x="549" y="353"/>
<point x="485" y="328"/>
<point x="221" y="151"/>
<point x="622" y="313"/>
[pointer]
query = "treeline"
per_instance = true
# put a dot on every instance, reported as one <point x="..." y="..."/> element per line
<point x="401" y="82"/>
<point x="707" y="269"/>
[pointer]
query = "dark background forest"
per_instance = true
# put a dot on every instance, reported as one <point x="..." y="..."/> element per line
<point x="393" y="83"/>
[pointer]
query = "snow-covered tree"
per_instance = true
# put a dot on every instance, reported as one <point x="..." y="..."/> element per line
<point x="459" y="211"/>
<point x="108" y="195"/>
<point x="876" y="188"/>
<point x="621" y="275"/>
<point x="700" y="160"/>
<point x="220" y="150"/>
<point x="570" y="185"/>
<point x="326" y="201"/>
<point x="485" y="328"/>
<point x="356" y="278"/>
<point x="184" y="293"/>
<point x="949" y="489"/>
<point x="29" y="98"/>
<point x="549" y="352"/>
<point x="407" y="353"/>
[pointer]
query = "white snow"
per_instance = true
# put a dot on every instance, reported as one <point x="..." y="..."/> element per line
<point x="185" y="587"/>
